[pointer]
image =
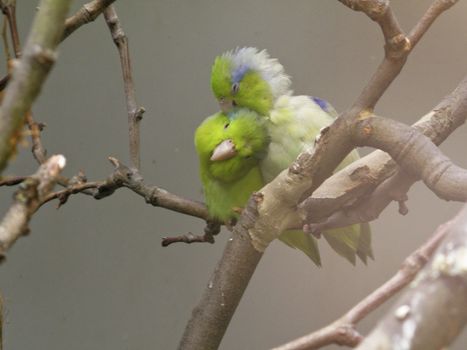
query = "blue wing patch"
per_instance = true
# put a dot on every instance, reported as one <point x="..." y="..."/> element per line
<point x="320" y="102"/>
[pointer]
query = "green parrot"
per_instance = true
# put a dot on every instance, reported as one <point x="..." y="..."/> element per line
<point x="249" y="78"/>
<point x="231" y="147"/>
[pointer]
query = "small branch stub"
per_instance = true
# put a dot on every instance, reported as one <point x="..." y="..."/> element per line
<point x="27" y="200"/>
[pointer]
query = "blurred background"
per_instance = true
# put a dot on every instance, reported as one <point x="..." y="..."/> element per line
<point x="93" y="275"/>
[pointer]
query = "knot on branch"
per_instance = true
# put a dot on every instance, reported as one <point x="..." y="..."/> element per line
<point x="374" y="9"/>
<point x="414" y="262"/>
<point x="138" y="114"/>
<point x="398" y="46"/>
<point x="152" y="196"/>
<point x="347" y="335"/>
<point x="453" y="262"/>
<point x="261" y="235"/>
<point x="28" y="191"/>
<point x="87" y="13"/>
<point x="43" y="56"/>
<point x="116" y="180"/>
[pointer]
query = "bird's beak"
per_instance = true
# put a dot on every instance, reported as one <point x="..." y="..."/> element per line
<point x="224" y="150"/>
<point x="226" y="104"/>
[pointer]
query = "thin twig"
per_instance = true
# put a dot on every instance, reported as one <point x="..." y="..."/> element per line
<point x="11" y="180"/>
<point x="436" y="8"/>
<point x="343" y="331"/>
<point x="135" y="113"/>
<point x="9" y="10"/>
<point x="187" y="238"/>
<point x="212" y="228"/>
<point x="63" y="195"/>
<point x="6" y="48"/>
<point x="123" y="176"/>
<point x="38" y="150"/>
<point x="86" y="14"/>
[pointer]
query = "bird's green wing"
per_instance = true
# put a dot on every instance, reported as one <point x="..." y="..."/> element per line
<point x="293" y="125"/>
<point x="306" y="243"/>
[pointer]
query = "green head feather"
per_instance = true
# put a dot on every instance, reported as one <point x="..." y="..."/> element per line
<point x="248" y="78"/>
<point x="248" y="134"/>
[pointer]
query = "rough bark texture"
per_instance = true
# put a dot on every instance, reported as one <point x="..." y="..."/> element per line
<point x="211" y="317"/>
<point x="30" y="72"/>
<point x="434" y="310"/>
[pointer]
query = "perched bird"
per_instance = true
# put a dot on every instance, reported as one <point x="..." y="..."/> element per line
<point x="249" y="78"/>
<point x="230" y="148"/>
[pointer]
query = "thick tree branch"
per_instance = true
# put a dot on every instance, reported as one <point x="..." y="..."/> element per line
<point x="30" y="72"/>
<point x="338" y="201"/>
<point x="343" y="331"/>
<point x="135" y="113"/>
<point x="86" y="14"/>
<point x="415" y="153"/>
<point x="278" y="204"/>
<point x="394" y="188"/>
<point x="27" y="200"/>
<point x="434" y="310"/>
<point x="211" y="317"/>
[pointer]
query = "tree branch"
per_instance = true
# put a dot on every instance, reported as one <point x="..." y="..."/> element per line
<point x="123" y="176"/>
<point x="11" y="180"/>
<point x="415" y="153"/>
<point x="9" y="10"/>
<point x="212" y="228"/>
<point x="135" y="113"/>
<point x="437" y="297"/>
<point x="211" y="317"/>
<point x="38" y="150"/>
<point x="86" y="14"/>
<point x="29" y="74"/>
<point x="27" y="200"/>
<point x="338" y="201"/>
<point x="343" y="331"/>
<point x="276" y="204"/>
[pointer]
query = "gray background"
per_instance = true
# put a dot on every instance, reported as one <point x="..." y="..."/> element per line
<point x="93" y="275"/>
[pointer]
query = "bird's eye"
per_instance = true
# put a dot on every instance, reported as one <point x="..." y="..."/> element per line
<point x="235" y="88"/>
<point x="226" y="125"/>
